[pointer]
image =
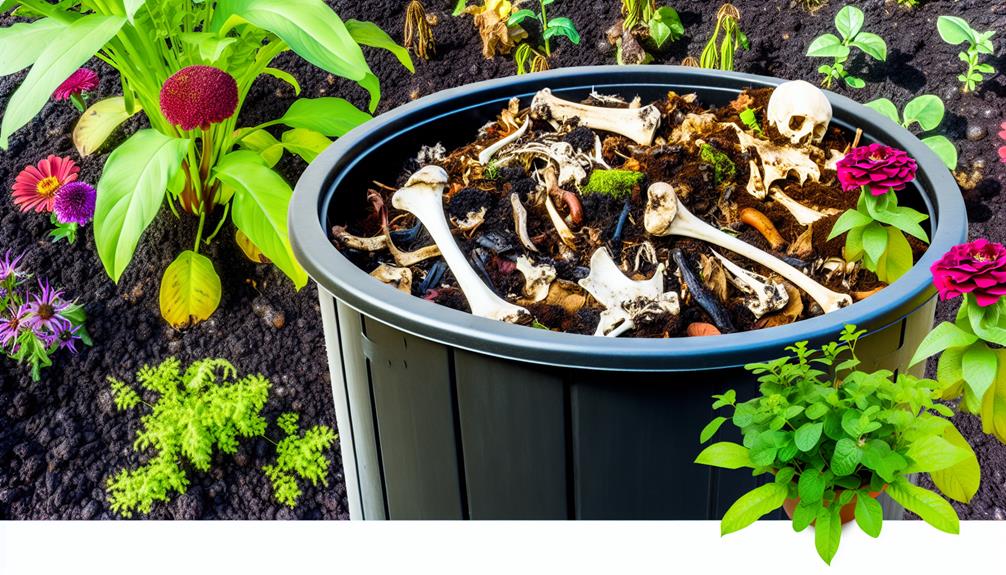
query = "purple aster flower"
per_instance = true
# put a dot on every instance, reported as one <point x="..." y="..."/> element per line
<point x="11" y="327"/>
<point x="8" y="266"/>
<point x="45" y="309"/>
<point x="67" y="339"/>
<point x="74" y="203"/>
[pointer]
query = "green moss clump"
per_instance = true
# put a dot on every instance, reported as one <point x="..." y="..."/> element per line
<point x="615" y="183"/>
<point x="724" y="169"/>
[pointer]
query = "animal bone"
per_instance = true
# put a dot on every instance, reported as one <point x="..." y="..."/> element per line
<point x="756" y="186"/>
<point x="834" y="157"/>
<point x="804" y="215"/>
<point x="400" y="278"/>
<point x="694" y="126"/>
<point x="788" y="314"/>
<point x="800" y="111"/>
<point x="638" y="124"/>
<point x="409" y="259"/>
<point x="423" y="197"/>
<point x="520" y="222"/>
<point x="625" y="300"/>
<point x="471" y="221"/>
<point x="763" y="296"/>
<point x="665" y="215"/>
<point x="565" y="233"/>
<point x="560" y="154"/>
<point x="487" y="154"/>
<point x="374" y="244"/>
<point x="537" y="279"/>
<point x="778" y="161"/>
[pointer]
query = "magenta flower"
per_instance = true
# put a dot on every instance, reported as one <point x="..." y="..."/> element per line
<point x="45" y="311"/>
<point x="978" y="268"/>
<point x="11" y="327"/>
<point x="198" y="96"/>
<point x="83" y="80"/>
<point x="878" y="167"/>
<point x="74" y="203"/>
<point x="8" y="266"/>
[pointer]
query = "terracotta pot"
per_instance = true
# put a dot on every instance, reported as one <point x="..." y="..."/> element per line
<point x="848" y="512"/>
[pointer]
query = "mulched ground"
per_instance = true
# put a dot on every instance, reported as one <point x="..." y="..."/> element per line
<point x="61" y="438"/>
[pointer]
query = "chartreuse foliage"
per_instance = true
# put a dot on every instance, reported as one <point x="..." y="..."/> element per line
<point x="957" y="31"/>
<point x="833" y="435"/>
<point x="927" y="111"/>
<point x="876" y="234"/>
<point x="198" y="411"/>
<point x="849" y="23"/>
<point x="718" y="53"/>
<point x="146" y="42"/>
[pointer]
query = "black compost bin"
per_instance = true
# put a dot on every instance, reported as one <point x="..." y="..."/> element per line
<point x="444" y="415"/>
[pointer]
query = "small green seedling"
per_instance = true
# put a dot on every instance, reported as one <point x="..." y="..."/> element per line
<point x="957" y="31"/>
<point x="750" y="119"/>
<point x="927" y="111"/>
<point x="663" y="24"/>
<point x="719" y="54"/>
<point x="550" y="27"/>
<point x="849" y="23"/>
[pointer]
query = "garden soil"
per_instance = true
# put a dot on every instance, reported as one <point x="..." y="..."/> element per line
<point x="61" y="438"/>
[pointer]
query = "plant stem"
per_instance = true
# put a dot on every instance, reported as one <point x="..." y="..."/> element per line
<point x="199" y="232"/>
<point x="544" y="26"/>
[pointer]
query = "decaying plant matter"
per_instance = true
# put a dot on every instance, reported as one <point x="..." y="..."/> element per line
<point x="605" y="216"/>
<point x="418" y="32"/>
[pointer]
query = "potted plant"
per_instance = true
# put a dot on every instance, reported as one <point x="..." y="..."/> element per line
<point x="835" y="437"/>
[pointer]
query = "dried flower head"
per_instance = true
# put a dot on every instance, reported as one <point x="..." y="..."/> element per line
<point x="75" y="203"/>
<point x="83" y="80"/>
<point x="878" y="167"/>
<point x="199" y="96"/>
<point x="977" y="267"/>
<point x="36" y="186"/>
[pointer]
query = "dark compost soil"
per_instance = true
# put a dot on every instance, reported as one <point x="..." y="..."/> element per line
<point x="61" y="438"/>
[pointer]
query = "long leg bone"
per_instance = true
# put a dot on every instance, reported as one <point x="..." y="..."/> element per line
<point x="666" y="216"/>
<point x="423" y="197"/>
<point x="638" y="124"/>
<point x="624" y="299"/>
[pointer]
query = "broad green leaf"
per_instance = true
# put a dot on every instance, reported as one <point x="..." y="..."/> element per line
<point x="811" y="485"/>
<point x="898" y="258"/>
<point x="886" y="108"/>
<point x="98" y="122"/>
<point x="847" y="221"/>
<point x="264" y="144"/>
<point x="927" y="110"/>
<point x="993" y="405"/>
<point x="979" y="366"/>
<point x="785" y="475"/>
<point x="521" y="15"/>
<point x="190" y="290"/>
<point x="130" y="192"/>
<point x="284" y="76"/>
<point x="959" y="482"/>
<point x="854" y="82"/>
<point x="804" y="514"/>
<point x="370" y="34"/>
<point x="875" y="240"/>
<point x="711" y="428"/>
<point x="816" y="410"/>
<point x="872" y="45"/>
<point x="726" y="455"/>
<point x="311" y="29"/>
<point x="132" y="7"/>
<point x="933" y="453"/>
<point x="869" y="514"/>
<point x="23" y="42"/>
<point x="259" y="208"/>
<point x="752" y="505"/>
<point x="332" y="117"/>
<point x="849" y="21"/>
<point x="807" y="436"/>
<point x="562" y="26"/>
<point x="932" y="508"/>
<point x="955" y="30"/>
<point x="828" y="532"/>
<point x="846" y="457"/>
<point x="307" y="144"/>
<point x="944" y="149"/>
<point x="63" y="55"/>
<point x="209" y="45"/>
<point x="827" y="46"/>
<point x="950" y="373"/>
<point x="942" y="337"/>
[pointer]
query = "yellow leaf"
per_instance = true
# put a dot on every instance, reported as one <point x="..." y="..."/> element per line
<point x="98" y="122"/>
<point x="994" y="403"/>
<point x="249" y="249"/>
<point x="190" y="290"/>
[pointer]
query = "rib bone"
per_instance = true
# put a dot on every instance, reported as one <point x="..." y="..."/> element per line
<point x="487" y="154"/>
<point x="537" y="279"/>
<point x="520" y="222"/>
<point x="666" y="216"/>
<point x="423" y="197"/>
<point x="638" y="124"/>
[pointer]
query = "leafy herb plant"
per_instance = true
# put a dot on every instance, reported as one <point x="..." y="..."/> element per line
<point x="849" y="23"/>
<point x="957" y="31"/>
<point x="189" y="65"/>
<point x="834" y="437"/>
<point x="719" y="54"/>
<point x="535" y="58"/>
<point x="199" y="410"/>
<point x="927" y="111"/>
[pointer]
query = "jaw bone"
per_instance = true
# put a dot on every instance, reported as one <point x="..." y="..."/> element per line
<point x="625" y="300"/>
<point x="638" y="124"/>
<point x="423" y="197"/>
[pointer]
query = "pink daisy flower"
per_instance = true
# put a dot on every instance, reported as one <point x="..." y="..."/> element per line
<point x="36" y="186"/>
<point x="83" y="80"/>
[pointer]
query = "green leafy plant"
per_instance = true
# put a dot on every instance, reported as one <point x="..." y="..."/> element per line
<point x="200" y="410"/>
<point x="957" y="31"/>
<point x="750" y="119"/>
<point x="194" y="159"/>
<point x="849" y="23"/>
<point x="719" y="54"/>
<point x="834" y="437"/>
<point x="661" y="24"/>
<point x="534" y="59"/>
<point x="927" y="111"/>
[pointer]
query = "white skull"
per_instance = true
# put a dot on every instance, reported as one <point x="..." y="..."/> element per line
<point x="799" y="109"/>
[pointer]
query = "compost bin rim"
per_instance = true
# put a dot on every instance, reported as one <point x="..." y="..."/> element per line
<point x="338" y="276"/>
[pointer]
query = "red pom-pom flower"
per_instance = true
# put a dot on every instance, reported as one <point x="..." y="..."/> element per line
<point x="199" y="96"/>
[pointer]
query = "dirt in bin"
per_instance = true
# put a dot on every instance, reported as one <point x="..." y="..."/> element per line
<point x="62" y="437"/>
